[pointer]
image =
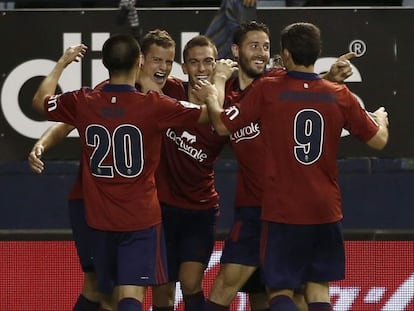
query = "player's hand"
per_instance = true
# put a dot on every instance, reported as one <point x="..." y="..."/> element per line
<point x="277" y="62"/>
<point x="202" y="89"/>
<point x="341" y="69"/>
<point x="73" y="54"/>
<point x="34" y="158"/>
<point x="380" y="116"/>
<point x="225" y="68"/>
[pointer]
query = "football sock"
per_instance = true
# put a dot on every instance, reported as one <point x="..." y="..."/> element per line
<point x="282" y="303"/>
<point x="319" y="306"/>
<point x="194" y="302"/>
<point x="129" y="304"/>
<point x="84" y="304"/>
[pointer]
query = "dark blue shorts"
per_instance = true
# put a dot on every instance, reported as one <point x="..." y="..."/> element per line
<point x="242" y="246"/>
<point x="189" y="236"/>
<point x="82" y="234"/>
<point x="295" y="254"/>
<point x="130" y="258"/>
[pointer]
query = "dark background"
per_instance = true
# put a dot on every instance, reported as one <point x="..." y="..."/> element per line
<point x="376" y="186"/>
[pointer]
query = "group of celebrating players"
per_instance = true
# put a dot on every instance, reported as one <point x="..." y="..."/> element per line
<point x="144" y="207"/>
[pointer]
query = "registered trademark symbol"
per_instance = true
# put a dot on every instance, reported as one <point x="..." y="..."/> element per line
<point x="358" y="47"/>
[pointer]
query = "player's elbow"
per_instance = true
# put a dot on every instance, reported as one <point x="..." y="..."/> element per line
<point x="37" y="104"/>
<point x="380" y="140"/>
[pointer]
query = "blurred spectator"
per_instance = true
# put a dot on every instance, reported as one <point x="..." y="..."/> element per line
<point x="227" y="19"/>
<point x="128" y="12"/>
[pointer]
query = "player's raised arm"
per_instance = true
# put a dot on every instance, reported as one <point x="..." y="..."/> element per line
<point x="380" y="139"/>
<point x="224" y="69"/>
<point x="49" y="84"/>
<point x="341" y="69"/>
<point x="49" y="138"/>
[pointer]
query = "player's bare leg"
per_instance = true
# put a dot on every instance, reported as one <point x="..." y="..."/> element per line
<point x="300" y="301"/>
<point x="191" y="276"/>
<point x="163" y="297"/>
<point x="317" y="296"/>
<point x="228" y="282"/>
<point x="130" y="297"/>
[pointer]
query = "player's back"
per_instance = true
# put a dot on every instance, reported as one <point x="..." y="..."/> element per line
<point x="121" y="130"/>
<point x="302" y="119"/>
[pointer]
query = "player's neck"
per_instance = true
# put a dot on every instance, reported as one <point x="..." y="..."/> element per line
<point x="244" y="80"/>
<point x="301" y="68"/>
<point x="123" y="79"/>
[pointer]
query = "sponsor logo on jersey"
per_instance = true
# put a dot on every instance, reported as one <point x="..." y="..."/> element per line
<point x="250" y="131"/>
<point x="185" y="143"/>
<point x="232" y="112"/>
<point x="52" y="103"/>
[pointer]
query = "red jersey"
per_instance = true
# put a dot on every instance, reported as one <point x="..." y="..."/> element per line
<point x="302" y="117"/>
<point x="120" y="131"/>
<point x="172" y="86"/>
<point x="247" y="144"/>
<point x="185" y="176"/>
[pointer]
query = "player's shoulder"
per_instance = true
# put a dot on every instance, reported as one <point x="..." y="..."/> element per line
<point x="174" y="87"/>
<point x="173" y="82"/>
<point x="335" y="86"/>
<point x="274" y="72"/>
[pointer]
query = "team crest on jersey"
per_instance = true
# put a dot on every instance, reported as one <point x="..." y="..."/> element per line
<point x="185" y="143"/>
<point x="52" y="103"/>
<point x="188" y="104"/>
<point x="250" y="131"/>
<point x="232" y="112"/>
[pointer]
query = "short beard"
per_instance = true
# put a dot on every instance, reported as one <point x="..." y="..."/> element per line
<point x="243" y="64"/>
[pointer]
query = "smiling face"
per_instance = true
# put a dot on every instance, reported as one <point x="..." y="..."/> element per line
<point x="157" y="64"/>
<point x="199" y="64"/>
<point x="253" y="53"/>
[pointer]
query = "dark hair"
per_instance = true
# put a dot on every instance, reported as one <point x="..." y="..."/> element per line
<point x="158" y="37"/>
<point x="120" y="53"/>
<point x="199" y="41"/>
<point x="303" y="41"/>
<point x="244" y="28"/>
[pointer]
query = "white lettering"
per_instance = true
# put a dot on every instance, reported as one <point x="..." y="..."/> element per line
<point x="183" y="142"/>
<point x="232" y="112"/>
<point x="346" y="297"/>
<point x="402" y="297"/>
<point x="248" y="132"/>
<point x="52" y="103"/>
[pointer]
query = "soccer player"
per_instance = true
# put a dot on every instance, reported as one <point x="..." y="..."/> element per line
<point x="120" y="132"/>
<point x="240" y="257"/>
<point x="301" y="118"/>
<point x="158" y="51"/>
<point x="186" y="187"/>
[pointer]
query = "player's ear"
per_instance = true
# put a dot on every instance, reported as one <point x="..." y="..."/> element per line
<point x="235" y="51"/>
<point x="184" y="68"/>
<point x="140" y="61"/>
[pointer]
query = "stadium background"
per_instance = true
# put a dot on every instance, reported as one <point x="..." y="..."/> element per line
<point x="37" y="257"/>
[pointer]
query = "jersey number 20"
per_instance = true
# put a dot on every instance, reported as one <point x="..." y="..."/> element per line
<point x="126" y="146"/>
